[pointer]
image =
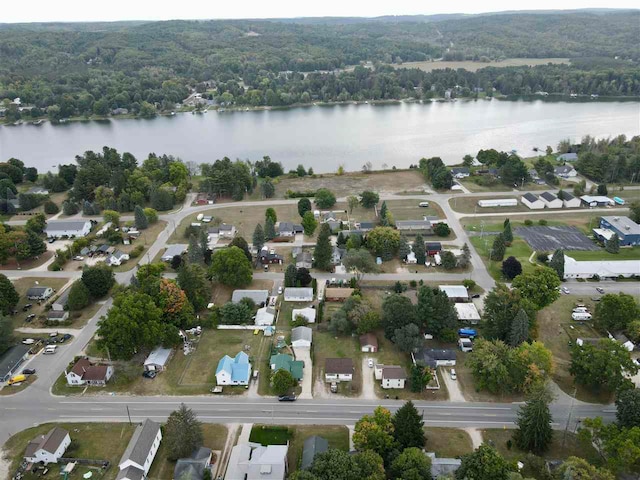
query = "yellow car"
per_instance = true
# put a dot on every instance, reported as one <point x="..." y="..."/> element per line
<point x="256" y="331"/>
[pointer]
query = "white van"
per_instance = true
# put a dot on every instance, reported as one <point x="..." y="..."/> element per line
<point x="50" y="349"/>
<point x="579" y="316"/>
<point x="423" y="204"/>
<point x="580" y="310"/>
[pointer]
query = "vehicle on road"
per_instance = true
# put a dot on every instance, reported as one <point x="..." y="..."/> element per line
<point x="50" y="349"/>
<point x="475" y="295"/>
<point x="149" y="374"/>
<point x="29" y="371"/>
<point x="280" y="290"/>
<point x="51" y="240"/>
<point x="600" y="289"/>
<point x="566" y="291"/>
<point x="16" y="379"/>
<point x="217" y="389"/>
<point x="595" y="299"/>
<point x="452" y="374"/>
<point x="30" y="317"/>
<point x="580" y="316"/>
<point x="256" y="331"/>
<point x="27" y="307"/>
<point x="28" y="341"/>
<point x="287" y="398"/>
<point x="370" y="363"/>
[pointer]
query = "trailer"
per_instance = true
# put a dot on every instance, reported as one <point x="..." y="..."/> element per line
<point x="618" y="200"/>
<point x="581" y="316"/>
<point x="498" y="202"/>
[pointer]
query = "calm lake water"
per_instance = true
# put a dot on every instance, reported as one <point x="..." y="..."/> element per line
<point x="327" y="137"/>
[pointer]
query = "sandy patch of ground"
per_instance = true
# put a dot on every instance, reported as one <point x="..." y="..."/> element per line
<point x="368" y="381"/>
<point x="475" y="435"/>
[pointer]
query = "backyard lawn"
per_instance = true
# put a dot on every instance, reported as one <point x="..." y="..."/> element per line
<point x="518" y="249"/>
<point x="581" y="218"/>
<point x="447" y="442"/>
<point x="337" y="436"/>
<point x="92" y="440"/>
<point x="625" y="253"/>
<point x="22" y="285"/>
<point x="146" y="238"/>
<point x="325" y="345"/>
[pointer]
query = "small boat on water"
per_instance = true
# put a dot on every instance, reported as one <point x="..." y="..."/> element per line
<point x="172" y="114"/>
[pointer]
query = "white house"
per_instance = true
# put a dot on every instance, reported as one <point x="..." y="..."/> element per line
<point x="368" y="343"/>
<point x="550" y="200"/>
<point x="393" y="376"/>
<point x="252" y="461"/>
<point x="308" y="313"/>
<point x="411" y="258"/>
<point x="336" y="255"/>
<point x="234" y="371"/>
<point x="569" y="201"/>
<point x="467" y="312"/>
<point x="265" y="316"/>
<point x="338" y="369"/>
<point x="84" y="373"/>
<point x="172" y="251"/>
<point x="532" y="201"/>
<point x="301" y="337"/>
<point x="67" y="228"/>
<point x="39" y="293"/>
<point x="297" y="294"/>
<point x="286" y="229"/>
<point x="138" y="457"/>
<point x="48" y="448"/>
<point x="457" y="293"/>
<point x="221" y="231"/>
<point x="158" y="359"/>
<point x="117" y="258"/>
<point x="565" y="171"/>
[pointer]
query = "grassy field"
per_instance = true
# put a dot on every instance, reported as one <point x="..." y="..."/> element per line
<point x="326" y="346"/>
<point x="473" y="66"/>
<point x="213" y="437"/>
<point x="270" y="434"/>
<point x="22" y="285"/>
<point x="337" y="436"/>
<point x="447" y="442"/>
<point x="556" y="330"/>
<point x="519" y="249"/>
<point x="92" y="440"/>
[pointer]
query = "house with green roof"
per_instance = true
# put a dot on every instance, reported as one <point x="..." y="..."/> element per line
<point x="286" y="362"/>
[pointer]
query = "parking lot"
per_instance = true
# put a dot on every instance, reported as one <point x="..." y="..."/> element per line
<point x="548" y="239"/>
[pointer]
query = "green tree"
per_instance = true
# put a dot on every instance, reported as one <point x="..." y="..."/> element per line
<point x="268" y="189"/>
<point x="369" y="199"/>
<point x="420" y="377"/>
<point x="507" y="232"/>
<point x="449" y="261"/>
<point x="511" y="268"/>
<point x="235" y="313"/>
<point x="534" y="432"/>
<point x="230" y="266"/>
<point x="368" y="322"/>
<point x="79" y="296"/>
<point x="195" y="254"/>
<point x="258" y="238"/>
<point x="309" y="223"/>
<point x="613" y="244"/>
<point x="111" y="216"/>
<point x="435" y="313"/>
<point x="98" y="279"/>
<point x="407" y="338"/>
<point x="539" y="286"/>
<point x="50" y="208"/>
<point x="290" y="276"/>
<point x="374" y="432"/>
<point x="498" y="249"/>
<point x="467" y="160"/>
<point x="151" y="214"/>
<point x="403" y="249"/>
<point x="628" y="408"/>
<point x="485" y="463"/>
<point x="352" y="202"/>
<point x="269" y="230"/>
<point x="323" y="250"/>
<point x="602" y="189"/>
<point x="574" y="468"/>
<point x="384" y="210"/>
<point x="9" y="297"/>
<point x="324" y="198"/>
<point x="35" y="243"/>
<point x="36" y="223"/>
<point x="501" y="306"/>
<point x="602" y="366"/>
<point x="242" y="244"/>
<point x="141" y="220"/>
<point x="282" y="381"/>
<point x="182" y="433"/>
<point x="397" y="311"/>
<point x="557" y="263"/>
<point x="6" y="334"/>
<point x="304" y="206"/>
<point x="408" y="427"/>
<point x="441" y="229"/>
<point x="192" y="279"/>
<point x="411" y="464"/>
<point x="634" y="211"/>
<point x="384" y="242"/>
<point x="519" y="329"/>
<point x="419" y="250"/>
<point x="270" y="213"/>
<point x="359" y="261"/>
<point x="615" y="312"/>
<point x="619" y="447"/>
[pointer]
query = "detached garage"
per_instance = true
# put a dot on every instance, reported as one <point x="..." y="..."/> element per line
<point x="532" y="201"/>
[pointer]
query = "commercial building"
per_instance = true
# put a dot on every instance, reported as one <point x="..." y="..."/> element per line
<point x="532" y="201"/>
<point x="569" y="201"/>
<point x="603" y="268"/>
<point x="11" y="360"/>
<point x="498" y="202"/>
<point x="67" y="228"/>
<point x="596" y="201"/>
<point x="628" y="231"/>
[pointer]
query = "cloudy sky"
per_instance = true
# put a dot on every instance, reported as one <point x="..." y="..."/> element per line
<point x="83" y="10"/>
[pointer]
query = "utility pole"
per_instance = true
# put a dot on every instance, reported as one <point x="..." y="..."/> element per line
<point x="128" y="415"/>
<point x="573" y="399"/>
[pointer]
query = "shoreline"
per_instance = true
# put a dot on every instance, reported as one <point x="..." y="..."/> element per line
<point x="235" y="109"/>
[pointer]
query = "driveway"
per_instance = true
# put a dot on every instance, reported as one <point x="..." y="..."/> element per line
<point x="455" y="394"/>
<point x="304" y="354"/>
<point x="368" y="380"/>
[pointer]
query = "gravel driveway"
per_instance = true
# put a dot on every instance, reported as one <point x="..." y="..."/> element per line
<point x="304" y="354"/>
<point x="368" y="380"/>
<point x="455" y="394"/>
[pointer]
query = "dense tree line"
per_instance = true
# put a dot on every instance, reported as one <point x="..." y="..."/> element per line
<point x="609" y="160"/>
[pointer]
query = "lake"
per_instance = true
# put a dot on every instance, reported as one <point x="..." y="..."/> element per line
<point x="325" y="137"/>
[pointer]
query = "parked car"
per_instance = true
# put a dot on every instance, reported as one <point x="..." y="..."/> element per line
<point x="370" y="363"/>
<point x="287" y="398"/>
<point x="600" y="289"/>
<point x="28" y="371"/>
<point x="334" y="387"/>
<point x="50" y="349"/>
<point x="280" y="290"/>
<point x="30" y="317"/>
<point x="149" y="374"/>
<point x="566" y="291"/>
<point x="65" y="337"/>
<point x="78" y="258"/>
<point x="51" y="240"/>
<point x="27" y="307"/>
<point x="452" y="373"/>
<point x="217" y="389"/>
<point x="28" y="341"/>
<point x="475" y="295"/>
<point x="596" y="299"/>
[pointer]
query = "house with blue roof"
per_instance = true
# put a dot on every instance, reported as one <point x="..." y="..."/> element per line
<point x="234" y="371"/>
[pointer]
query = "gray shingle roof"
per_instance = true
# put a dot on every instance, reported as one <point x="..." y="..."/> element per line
<point x="301" y="333"/>
<point x="313" y="446"/>
<point x="141" y="442"/>
<point x="66" y="224"/>
<point x="258" y="296"/>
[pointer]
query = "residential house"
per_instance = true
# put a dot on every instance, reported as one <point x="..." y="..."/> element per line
<point x="533" y="173"/>
<point x="460" y="172"/>
<point x="298" y="294"/>
<point x="60" y="303"/>
<point x="11" y="360"/>
<point x="39" y="293"/>
<point x="569" y="201"/>
<point x="596" y="201"/>
<point x="433" y="357"/>
<point x="335" y="227"/>
<point x="48" y="448"/>
<point x="286" y="229"/>
<point x="565" y="171"/>
<point x="433" y="248"/>
<point x="234" y="371"/>
<point x="368" y="343"/>
<point x="221" y="231"/>
<point x="443" y="467"/>
<point x="140" y="452"/>
<point x="467" y="312"/>
<point x="295" y="251"/>
<point x="301" y="337"/>
<point x="57" y="316"/>
<point x="312" y="446"/>
<point x="84" y="372"/>
<point x="265" y="316"/>
<point x="337" y="294"/>
<point x="550" y="200"/>
<point x="568" y="157"/>
<point x="604" y="269"/>
<point x="622" y="339"/>
<point x="270" y="257"/>
<point x="532" y="201"/>
<point x="411" y="227"/>
<point x="455" y="293"/>
<point x="252" y="461"/>
<point x="259" y="297"/>
<point x="411" y="258"/>
<point x="38" y="191"/>
<point x="337" y="254"/>
<point x="67" y="228"/>
<point x="308" y="313"/>
<point x="329" y="217"/>
<point x="338" y="369"/>
<point x="304" y="260"/>
<point x="627" y="230"/>
<point x="173" y="250"/>
<point x="393" y="376"/>
<point x="365" y="226"/>
<point x="158" y="359"/>
<point x="193" y="467"/>
<point x="117" y="258"/>
<point x="286" y="362"/>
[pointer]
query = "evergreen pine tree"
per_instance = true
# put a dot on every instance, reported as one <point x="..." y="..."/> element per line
<point x="269" y="229"/>
<point x="203" y="239"/>
<point x="463" y="261"/>
<point x="195" y="253"/>
<point x="403" y="249"/>
<point x="557" y="262"/>
<point x="140" y="218"/>
<point x="498" y="249"/>
<point x="322" y="252"/>
<point x="419" y="250"/>
<point x="613" y="244"/>
<point x="290" y="276"/>
<point x="507" y="233"/>
<point x="35" y="243"/>
<point x="258" y="238"/>
<point x="383" y="214"/>
<point x="182" y="433"/>
<point x="519" y="330"/>
<point x="534" y="433"/>
<point x="408" y="427"/>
